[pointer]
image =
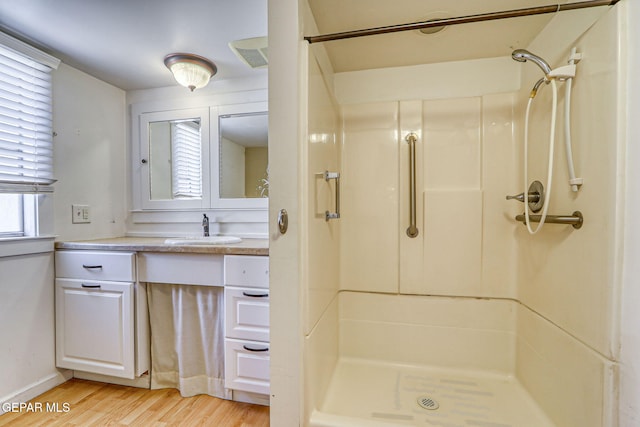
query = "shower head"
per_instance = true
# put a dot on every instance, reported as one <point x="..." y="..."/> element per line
<point x="522" y="55"/>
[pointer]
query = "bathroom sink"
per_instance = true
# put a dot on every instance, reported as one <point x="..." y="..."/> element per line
<point x="200" y="240"/>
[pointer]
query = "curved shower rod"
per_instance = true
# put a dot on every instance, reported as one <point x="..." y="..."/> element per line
<point x="540" y="10"/>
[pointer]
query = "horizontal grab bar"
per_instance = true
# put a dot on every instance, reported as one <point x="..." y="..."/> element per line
<point x="575" y="219"/>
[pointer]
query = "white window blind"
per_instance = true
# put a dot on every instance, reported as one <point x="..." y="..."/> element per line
<point x="187" y="167"/>
<point x="26" y="140"/>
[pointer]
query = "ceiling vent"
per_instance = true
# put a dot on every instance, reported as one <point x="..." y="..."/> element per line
<point x="253" y="52"/>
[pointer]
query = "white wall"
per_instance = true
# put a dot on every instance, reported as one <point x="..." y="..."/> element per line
<point x="287" y="65"/>
<point x="90" y="155"/>
<point x="629" y="408"/>
<point x="27" y="350"/>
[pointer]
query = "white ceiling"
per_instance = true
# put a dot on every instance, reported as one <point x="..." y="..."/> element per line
<point x="467" y="41"/>
<point x="123" y="42"/>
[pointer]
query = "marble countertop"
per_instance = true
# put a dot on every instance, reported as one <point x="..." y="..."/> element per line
<point x="156" y="244"/>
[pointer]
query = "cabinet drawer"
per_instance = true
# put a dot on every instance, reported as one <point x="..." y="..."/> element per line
<point x="247" y="313"/>
<point x="245" y="270"/>
<point x="90" y="265"/>
<point x="247" y="366"/>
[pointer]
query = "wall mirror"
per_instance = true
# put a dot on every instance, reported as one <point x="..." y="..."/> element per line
<point x="206" y="157"/>
<point x="174" y="159"/>
<point x="175" y="166"/>
<point x="243" y="148"/>
<point x="241" y="175"/>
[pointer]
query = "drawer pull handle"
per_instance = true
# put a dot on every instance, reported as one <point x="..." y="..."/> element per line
<point x="246" y="294"/>
<point x="255" y="349"/>
<point x="92" y="267"/>
<point x="90" y="286"/>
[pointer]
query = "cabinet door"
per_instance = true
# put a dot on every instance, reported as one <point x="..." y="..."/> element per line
<point x="94" y="327"/>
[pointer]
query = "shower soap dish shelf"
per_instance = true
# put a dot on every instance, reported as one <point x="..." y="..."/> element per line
<point x="575" y="219"/>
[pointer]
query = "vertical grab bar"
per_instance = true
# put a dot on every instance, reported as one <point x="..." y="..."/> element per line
<point x="412" y="231"/>
<point x="327" y="176"/>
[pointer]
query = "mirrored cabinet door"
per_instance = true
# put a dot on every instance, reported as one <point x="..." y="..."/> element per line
<point x="241" y="154"/>
<point x="244" y="155"/>
<point x="175" y="159"/>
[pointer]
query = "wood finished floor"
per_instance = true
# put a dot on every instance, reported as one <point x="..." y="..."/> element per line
<point x="98" y="404"/>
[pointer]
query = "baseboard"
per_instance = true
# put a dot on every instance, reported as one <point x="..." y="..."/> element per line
<point x="36" y="389"/>
<point x="143" y="381"/>
<point x="247" y="397"/>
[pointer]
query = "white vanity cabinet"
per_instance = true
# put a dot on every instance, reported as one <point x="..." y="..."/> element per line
<point x="102" y="312"/>
<point x="246" y="280"/>
<point x="97" y="327"/>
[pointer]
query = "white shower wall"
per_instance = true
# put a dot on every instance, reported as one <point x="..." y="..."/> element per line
<point x="321" y="248"/>
<point x="572" y="278"/>
<point x="541" y="308"/>
<point x="465" y="149"/>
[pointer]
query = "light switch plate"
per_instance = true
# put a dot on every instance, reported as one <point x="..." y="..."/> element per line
<point x="80" y="214"/>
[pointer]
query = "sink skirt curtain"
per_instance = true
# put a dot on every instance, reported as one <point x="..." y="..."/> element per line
<point x="187" y="339"/>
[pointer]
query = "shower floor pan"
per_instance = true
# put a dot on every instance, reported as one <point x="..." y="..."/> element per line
<point x="363" y="393"/>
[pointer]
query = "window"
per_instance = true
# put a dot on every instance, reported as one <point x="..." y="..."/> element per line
<point x="11" y="215"/>
<point x="26" y="140"/>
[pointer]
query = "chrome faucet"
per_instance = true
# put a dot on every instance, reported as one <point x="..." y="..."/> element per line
<point x="205" y="225"/>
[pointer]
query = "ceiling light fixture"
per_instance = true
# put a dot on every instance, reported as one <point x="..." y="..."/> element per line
<point x="190" y="70"/>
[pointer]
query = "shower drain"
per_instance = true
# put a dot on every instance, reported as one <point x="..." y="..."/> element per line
<point x="425" y="402"/>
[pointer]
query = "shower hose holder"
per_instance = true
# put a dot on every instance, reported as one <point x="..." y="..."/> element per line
<point x="563" y="73"/>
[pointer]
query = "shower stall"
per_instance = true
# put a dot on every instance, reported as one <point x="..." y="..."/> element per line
<point x="426" y="302"/>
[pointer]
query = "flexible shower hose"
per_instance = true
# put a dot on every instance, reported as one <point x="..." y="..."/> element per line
<point x="573" y="181"/>
<point x="552" y="133"/>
